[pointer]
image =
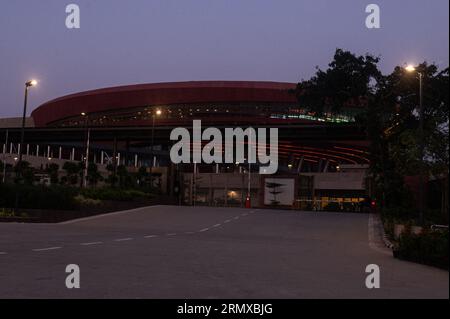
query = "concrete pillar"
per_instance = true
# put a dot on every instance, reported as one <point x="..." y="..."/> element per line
<point x="72" y="155"/>
<point x="136" y="160"/>
<point x="37" y="150"/>
<point x="28" y="149"/>
<point x="60" y="153"/>
<point x="102" y="157"/>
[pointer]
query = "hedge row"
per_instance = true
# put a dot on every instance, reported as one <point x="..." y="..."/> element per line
<point x="430" y="248"/>
<point x="38" y="197"/>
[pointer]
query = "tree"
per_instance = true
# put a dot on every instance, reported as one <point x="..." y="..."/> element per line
<point x="142" y="175"/>
<point x="124" y="177"/>
<point x="73" y="172"/>
<point x="24" y="173"/>
<point x="52" y="171"/>
<point x="93" y="176"/>
<point x="349" y="80"/>
<point x="398" y="99"/>
<point x="389" y="115"/>
<point x="112" y="178"/>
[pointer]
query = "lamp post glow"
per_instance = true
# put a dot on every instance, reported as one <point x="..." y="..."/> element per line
<point x="412" y="69"/>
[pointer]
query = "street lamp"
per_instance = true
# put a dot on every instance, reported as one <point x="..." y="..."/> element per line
<point x="155" y="114"/>
<point x="412" y="69"/>
<point x="88" y="139"/>
<point x="28" y="84"/>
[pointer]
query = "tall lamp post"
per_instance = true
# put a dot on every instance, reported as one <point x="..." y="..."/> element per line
<point x="22" y="131"/>
<point x="156" y="113"/>
<point x="411" y="69"/>
<point x="88" y="141"/>
<point x="28" y="84"/>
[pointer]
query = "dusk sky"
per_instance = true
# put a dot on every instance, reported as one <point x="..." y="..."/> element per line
<point x="143" y="41"/>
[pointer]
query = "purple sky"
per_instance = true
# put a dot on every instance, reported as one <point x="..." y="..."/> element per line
<point x="139" y="41"/>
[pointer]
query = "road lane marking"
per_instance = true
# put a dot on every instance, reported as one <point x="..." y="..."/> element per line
<point x="151" y="236"/>
<point x="123" y="239"/>
<point x="237" y="217"/>
<point x="189" y="233"/>
<point x="46" y="249"/>
<point x="204" y="229"/>
<point x="217" y="225"/>
<point x="227" y="221"/>
<point x="93" y="243"/>
<point x="172" y="234"/>
<point x="2" y="253"/>
<point x="135" y="210"/>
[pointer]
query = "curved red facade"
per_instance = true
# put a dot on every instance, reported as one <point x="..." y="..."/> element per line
<point x="119" y="99"/>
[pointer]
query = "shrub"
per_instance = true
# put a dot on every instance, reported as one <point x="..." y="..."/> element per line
<point x="107" y="193"/>
<point x="83" y="201"/>
<point x="430" y="248"/>
<point x="38" y="197"/>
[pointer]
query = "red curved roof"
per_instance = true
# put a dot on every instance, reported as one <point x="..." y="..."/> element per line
<point x="123" y="97"/>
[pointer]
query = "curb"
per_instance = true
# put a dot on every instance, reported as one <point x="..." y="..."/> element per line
<point x="377" y="236"/>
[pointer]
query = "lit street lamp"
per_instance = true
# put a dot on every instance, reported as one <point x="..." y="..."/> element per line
<point x="88" y="140"/>
<point x="411" y="69"/>
<point x="28" y="84"/>
<point x="22" y="132"/>
<point x="155" y="114"/>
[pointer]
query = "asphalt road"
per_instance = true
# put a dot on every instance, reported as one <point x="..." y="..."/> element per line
<point x="188" y="252"/>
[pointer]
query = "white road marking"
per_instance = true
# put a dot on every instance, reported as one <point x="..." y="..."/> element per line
<point x="237" y="217"/>
<point x="93" y="243"/>
<point x="189" y="233"/>
<point x="227" y="221"/>
<point x="217" y="225"/>
<point x="46" y="249"/>
<point x="204" y="229"/>
<point x="172" y="234"/>
<point x="108" y="215"/>
<point x="2" y="253"/>
<point x="123" y="239"/>
<point x="151" y="236"/>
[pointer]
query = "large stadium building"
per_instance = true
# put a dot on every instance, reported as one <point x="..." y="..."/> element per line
<point x="321" y="159"/>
